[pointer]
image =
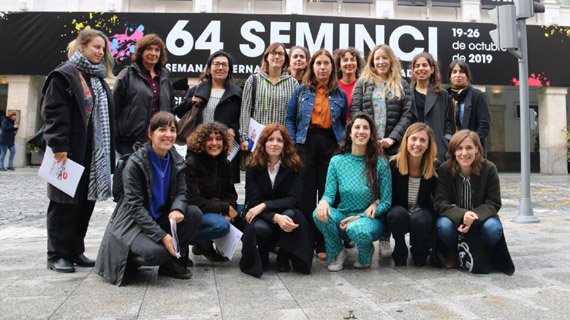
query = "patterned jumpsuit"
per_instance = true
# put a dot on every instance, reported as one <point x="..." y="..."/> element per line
<point x="346" y="174"/>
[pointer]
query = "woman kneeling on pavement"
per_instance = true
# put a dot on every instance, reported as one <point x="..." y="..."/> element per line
<point x="468" y="199"/>
<point x="139" y="232"/>
<point x="360" y="173"/>
<point x="210" y="185"/>
<point x="413" y="187"/>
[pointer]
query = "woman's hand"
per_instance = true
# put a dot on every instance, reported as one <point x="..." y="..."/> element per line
<point x="197" y="100"/>
<point x="176" y="215"/>
<point x="232" y="133"/>
<point x="386" y="143"/>
<point x="232" y="214"/>
<point x="323" y="211"/>
<point x="285" y="223"/>
<point x="468" y="218"/>
<point x="244" y="145"/>
<point x="344" y="223"/>
<point x="60" y="156"/>
<point x="371" y="210"/>
<point x="168" y="243"/>
<point x="253" y="212"/>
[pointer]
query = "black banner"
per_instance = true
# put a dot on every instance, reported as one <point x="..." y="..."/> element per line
<point x="35" y="42"/>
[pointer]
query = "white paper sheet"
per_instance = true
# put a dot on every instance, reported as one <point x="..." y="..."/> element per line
<point x="175" y="237"/>
<point x="65" y="178"/>
<point x="233" y="150"/>
<point x="253" y="132"/>
<point x="227" y="245"/>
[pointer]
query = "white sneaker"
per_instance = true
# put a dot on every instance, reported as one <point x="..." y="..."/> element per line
<point x="357" y="264"/>
<point x="385" y="249"/>
<point x="337" y="262"/>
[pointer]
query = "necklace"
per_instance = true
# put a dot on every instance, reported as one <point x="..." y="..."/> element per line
<point x="163" y="172"/>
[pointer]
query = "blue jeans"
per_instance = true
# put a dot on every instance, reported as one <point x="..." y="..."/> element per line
<point x="5" y="149"/>
<point x="491" y="232"/>
<point x="213" y="226"/>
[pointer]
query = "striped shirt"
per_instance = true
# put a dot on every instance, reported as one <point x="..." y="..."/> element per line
<point x="466" y="202"/>
<point x="413" y="190"/>
<point x="270" y="101"/>
<point x="210" y="109"/>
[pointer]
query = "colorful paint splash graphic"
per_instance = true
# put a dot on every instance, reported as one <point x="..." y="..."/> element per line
<point x="535" y="80"/>
<point x="123" y="45"/>
<point x="550" y="31"/>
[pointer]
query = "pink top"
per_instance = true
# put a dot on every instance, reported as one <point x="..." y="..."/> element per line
<point x="348" y="88"/>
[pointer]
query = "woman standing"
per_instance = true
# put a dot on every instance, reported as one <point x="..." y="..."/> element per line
<point x="139" y="232"/>
<point x="385" y="96"/>
<point x="273" y="88"/>
<point x="210" y="185"/>
<point x="360" y="174"/>
<point x="349" y="63"/>
<point x="141" y="90"/>
<point x="468" y="199"/>
<point x="470" y="105"/>
<point x="273" y="191"/>
<point x="217" y="97"/>
<point x="299" y="59"/>
<point x="9" y="128"/>
<point x="413" y="187"/>
<point x="316" y="116"/>
<point x="430" y="104"/>
<point x="80" y="128"/>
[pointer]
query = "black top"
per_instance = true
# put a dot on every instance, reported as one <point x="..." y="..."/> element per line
<point x="420" y="100"/>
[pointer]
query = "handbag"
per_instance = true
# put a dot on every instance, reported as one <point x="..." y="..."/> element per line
<point x="472" y="252"/>
<point x="187" y="124"/>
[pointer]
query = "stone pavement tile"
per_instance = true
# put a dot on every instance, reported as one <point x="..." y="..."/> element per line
<point x="239" y="281"/>
<point x="426" y="309"/>
<point x="342" y="311"/>
<point x="41" y="287"/>
<point x="277" y="314"/>
<point x="558" y="275"/>
<point x="372" y="276"/>
<point x="463" y="284"/>
<point x="39" y="307"/>
<point x="255" y="303"/>
<point x="399" y="292"/>
<point x="520" y="280"/>
<point x="554" y="300"/>
<point x="501" y="305"/>
<point x="5" y="283"/>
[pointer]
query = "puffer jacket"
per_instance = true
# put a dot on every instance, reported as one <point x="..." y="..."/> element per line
<point x="133" y="100"/>
<point x="398" y="117"/>
<point x="132" y="214"/>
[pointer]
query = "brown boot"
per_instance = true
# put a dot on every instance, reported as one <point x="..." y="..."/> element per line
<point x="450" y="260"/>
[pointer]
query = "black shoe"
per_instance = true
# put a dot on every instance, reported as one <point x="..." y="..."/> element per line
<point x="174" y="270"/>
<point x="283" y="264"/>
<point x="349" y="244"/>
<point x="60" y="265"/>
<point x="206" y="248"/>
<point x="82" y="261"/>
<point x="400" y="254"/>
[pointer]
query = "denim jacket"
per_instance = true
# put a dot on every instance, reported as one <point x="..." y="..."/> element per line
<point x="300" y="109"/>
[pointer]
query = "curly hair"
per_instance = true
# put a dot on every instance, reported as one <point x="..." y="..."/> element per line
<point x="289" y="157"/>
<point x="196" y="142"/>
<point x="310" y="79"/>
<point x="435" y="77"/>
<point x="339" y="54"/>
<point x="454" y="143"/>
<point x="394" y="83"/>
<point x="372" y="151"/>
<point x="402" y="157"/>
<point x="151" y="39"/>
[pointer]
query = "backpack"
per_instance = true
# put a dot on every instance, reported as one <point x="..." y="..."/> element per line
<point x="118" y="191"/>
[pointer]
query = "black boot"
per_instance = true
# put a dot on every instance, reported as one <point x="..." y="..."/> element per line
<point x="283" y="264"/>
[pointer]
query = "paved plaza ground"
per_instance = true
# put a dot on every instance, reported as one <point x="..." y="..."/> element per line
<point x="539" y="289"/>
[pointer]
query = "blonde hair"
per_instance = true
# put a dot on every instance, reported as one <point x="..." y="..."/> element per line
<point x="394" y="82"/>
<point x="402" y="159"/>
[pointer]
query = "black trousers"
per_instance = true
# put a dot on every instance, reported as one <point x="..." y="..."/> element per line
<point x="316" y="153"/>
<point x="66" y="228"/>
<point x="145" y="252"/>
<point x="420" y="226"/>
<point x="267" y="233"/>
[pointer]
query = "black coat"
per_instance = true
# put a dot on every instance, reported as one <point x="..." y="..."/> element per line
<point x="227" y="110"/>
<point x="8" y="132"/>
<point x="476" y="115"/>
<point x="285" y="194"/>
<point x="210" y="183"/>
<point x="133" y="100"/>
<point x="132" y="213"/>
<point x="63" y="111"/>
<point x="426" y="193"/>
<point x="438" y="114"/>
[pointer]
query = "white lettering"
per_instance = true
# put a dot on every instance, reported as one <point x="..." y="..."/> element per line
<point x="258" y="44"/>
<point x="323" y="36"/>
<point x="275" y="32"/>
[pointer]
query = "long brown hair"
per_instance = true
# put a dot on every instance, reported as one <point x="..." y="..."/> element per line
<point x="196" y="142"/>
<point x="402" y="157"/>
<point x="456" y="140"/>
<point x="289" y="157"/>
<point x="310" y="79"/>
<point x="435" y="77"/>
<point x="372" y="151"/>
<point x="271" y="48"/>
<point x="394" y="83"/>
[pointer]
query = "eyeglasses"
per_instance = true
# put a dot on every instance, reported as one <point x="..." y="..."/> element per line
<point x="220" y="64"/>
<point x="277" y="53"/>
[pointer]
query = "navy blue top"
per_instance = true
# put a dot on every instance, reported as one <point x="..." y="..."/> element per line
<point x="160" y="184"/>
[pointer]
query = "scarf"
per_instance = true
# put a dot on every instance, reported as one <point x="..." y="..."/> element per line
<point x="458" y="95"/>
<point x="100" y="169"/>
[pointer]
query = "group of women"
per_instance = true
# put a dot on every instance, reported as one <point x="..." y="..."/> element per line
<point x="307" y="154"/>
